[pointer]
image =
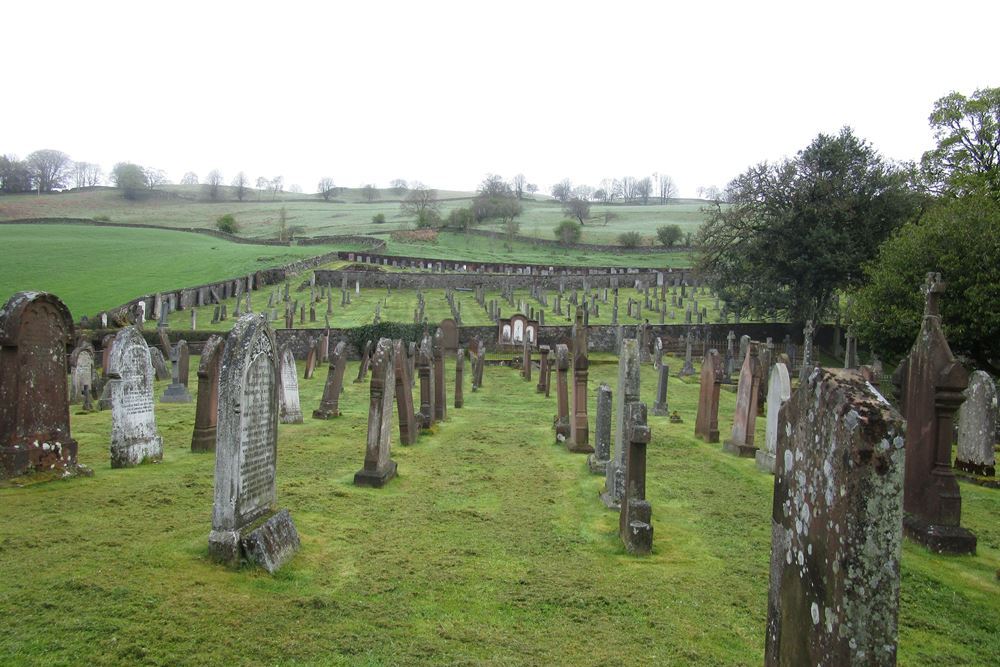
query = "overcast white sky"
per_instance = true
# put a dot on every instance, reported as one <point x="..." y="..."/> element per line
<point x="445" y="92"/>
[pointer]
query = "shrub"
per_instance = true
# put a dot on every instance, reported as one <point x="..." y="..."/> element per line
<point x="669" y="235"/>
<point x="630" y="239"/>
<point x="428" y="219"/>
<point x="102" y="218"/>
<point x="568" y="232"/>
<point x="227" y="223"/>
<point x="378" y="218"/>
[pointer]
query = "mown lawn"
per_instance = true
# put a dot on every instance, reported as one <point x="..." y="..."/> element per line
<point x="491" y="547"/>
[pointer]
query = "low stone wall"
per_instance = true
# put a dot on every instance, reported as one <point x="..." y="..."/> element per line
<point x="491" y="281"/>
<point x="587" y="247"/>
<point x="373" y="243"/>
<point x="131" y="225"/>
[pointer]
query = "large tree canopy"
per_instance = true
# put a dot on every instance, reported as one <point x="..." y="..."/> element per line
<point x="791" y="234"/>
<point x="967" y="156"/>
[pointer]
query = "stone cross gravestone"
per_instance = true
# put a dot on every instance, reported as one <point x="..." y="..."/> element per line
<point x="329" y="405"/>
<point x="706" y="424"/>
<point x="579" y="438"/>
<point x="561" y="421"/>
<point x="378" y="468"/>
<point x="836" y="526"/>
<point x="206" y="416"/>
<point x="134" y="437"/>
<point x="35" y="328"/>
<point x="778" y="392"/>
<point x="246" y="521"/>
<point x="635" y="525"/>
<point x="977" y="420"/>
<point x="745" y="416"/>
<point x="598" y="461"/>
<point x="627" y="393"/>
<point x="176" y="391"/>
<point x="291" y="411"/>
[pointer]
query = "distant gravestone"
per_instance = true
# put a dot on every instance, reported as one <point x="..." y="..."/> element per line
<point x="835" y="527"/>
<point x="366" y="355"/>
<point x="598" y="461"/>
<point x="311" y="359"/>
<point x="176" y="391"/>
<point x="206" y="414"/>
<point x="404" y="397"/>
<point x="481" y="364"/>
<point x="977" y="421"/>
<point x="291" y="412"/>
<point x="778" y="392"/>
<point x="440" y="391"/>
<point x="84" y="374"/>
<point x="706" y="424"/>
<point x="183" y="362"/>
<point x="688" y="368"/>
<point x="579" y="438"/>
<point x="35" y="328"/>
<point x="449" y="335"/>
<point x="745" y="416"/>
<point x="134" y="438"/>
<point x="378" y="467"/>
<point x="660" y="406"/>
<point x="246" y="522"/>
<point x="425" y="368"/>
<point x="561" y="421"/>
<point x="635" y="524"/>
<point x="329" y="405"/>
<point x="459" y="377"/>
<point x="627" y="393"/>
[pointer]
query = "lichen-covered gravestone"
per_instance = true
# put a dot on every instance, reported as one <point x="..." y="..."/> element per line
<point x="579" y="438"/>
<point x="246" y="522"/>
<point x="206" y="415"/>
<point x="627" y="393"/>
<point x="379" y="468"/>
<point x="134" y="438"/>
<point x="34" y="407"/>
<point x="779" y="390"/>
<point x="977" y="420"/>
<point x="836" y="526"/>
<point x="598" y="461"/>
<point x="291" y="411"/>
<point x="745" y="416"/>
<point x="706" y="424"/>
<point x="329" y="405"/>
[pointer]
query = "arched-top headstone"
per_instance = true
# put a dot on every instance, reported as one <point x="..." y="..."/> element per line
<point x="83" y="374"/>
<point x="977" y="421"/>
<point x="207" y="409"/>
<point x="449" y="331"/>
<point x="741" y="442"/>
<point x="291" y="411"/>
<point x="134" y="438"/>
<point x="35" y="328"/>
<point x="779" y="390"/>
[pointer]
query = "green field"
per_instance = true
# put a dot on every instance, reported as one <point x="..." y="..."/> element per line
<point x="490" y="548"/>
<point x="94" y="268"/>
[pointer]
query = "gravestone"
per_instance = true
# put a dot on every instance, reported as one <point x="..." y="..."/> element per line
<point x="835" y="526"/>
<point x="404" y="397"/>
<point x="807" y="351"/>
<point x="931" y="382"/>
<point x="158" y="363"/>
<point x="561" y="421"/>
<point x="706" y="424"/>
<point x="440" y="393"/>
<point x="288" y="389"/>
<point x="329" y="405"/>
<point x="481" y="364"/>
<point x="660" y="408"/>
<point x="134" y="438"/>
<point x="176" y="391"/>
<point x="83" y="375"/>
<point x="35" y="328"/>
<point x="635" y="525"/>
<point x="183" y="362"/>
<point x="543" y="370"/>
<point x="246" y="522"/>
<point x="579" y="438"/>
<point x="598" y="461"/>
<point x="688" y="368"/>
<point x="526" y="359"/>
<point x="459" y="377"/>
<point x="977" y="421"/>
<point x="378" y="468"/>
<point x="449" y="334"/>
<point x="425" y="369"/>
<point x="778" y="392"/>
<point x="740" y="442"/>
<point x="366" y="355"/>
<point x="311" y="357"/>
<point x="206" y="413"/>
<point x="627" y="393"/>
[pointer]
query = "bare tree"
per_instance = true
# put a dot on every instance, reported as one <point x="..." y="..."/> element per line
<point x="86" y="174"/>
<point x="627" y="188"/>
<point x="242" y="184"/>
<point x="190" y="178"/>
<point x="563" y="190"/>
<point x="154" y="177"/>
<point x="577" y="208"/>
<point x="420" y="199"/>
<point x="326" y="188"/>
<point x="262" y="185"/>
<point x="398" y="186"/>
<point x="531" y="188"/>
<point x="276" y="184"/>
<point x="213" y="182"/>
<point x="295" y="188"/>
<point x="667" y="187"/>
<point x="49" y="169"/>
<point x="519" y="183"/>
<point x="369" y="192"/>
<point x="584" y="192"/>
<point x="494" y="186"/>
<point x="644" y="189"/>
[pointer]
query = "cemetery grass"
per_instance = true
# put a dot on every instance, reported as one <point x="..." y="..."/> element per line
<point x="95" y="268"/>
<point x="491" y="547"/>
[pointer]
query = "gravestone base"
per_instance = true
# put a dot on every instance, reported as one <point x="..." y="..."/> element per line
<point x="104" y="402"/>
<point x="940" y="539"/>
<point x="688" y="370"/>
<point x="326" y="413"/>
<point x="26" y="460"/>
<point x="203" y="439"/>
<point x="175" y="393"/>
<point x="765" y="462"/>
<point x="291" y="417"/>
<point x="578" y="448"/>
<point x="597" y="466"/>
<point x="975" y="468"/>
<point x="739" y="449"/>
<point x="375" y="479"/>
<point x="660" y="410"/>
<point x="562" y="429"/>
<point x="638" y="534"/>
<point x="272" y="543"/>
<point x="136" y="452"/>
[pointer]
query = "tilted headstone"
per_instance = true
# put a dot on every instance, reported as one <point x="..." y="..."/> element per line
<point x="627" y="393"/>
<point x="379" y="468"/>
<point x="778" y="392"/>
<point x="366" y="358"/>
<point x="159" y="364"/>
<point x="741" y="442"/>
<point x="404" y="397"/>
<point x="561" y="421"/>
<point x="329" y="405"/>
<point x="425" y="368"/>
<point x="311" y="358"/>
<point x="635" y="524"/>
<point x="288" y="389"/>
<point x="134" y="438"/>
<point x="246" y="522"/>
<point x="206" y="413"/>
<point x="931" y="383"/>
<point x="440" y="390"/>
<point x="35" y="328"/>
<point x="977" y="420"/>
<point x="706" y="424"/>
<point x="579" y="437"/>
<point x="835" y="527"/>
<point x="598" y="461"/>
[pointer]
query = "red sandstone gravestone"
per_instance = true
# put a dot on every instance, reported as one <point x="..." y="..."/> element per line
<point x="706" y="425"/>
<point x="206" y="411"/>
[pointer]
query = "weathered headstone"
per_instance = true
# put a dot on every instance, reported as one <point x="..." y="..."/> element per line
<point x="561" y="421"/>
<point x="931" y="382"/>
<point x="159" y="364"/>
<point x="206" y="413"/>
<point x="660" y="407"/>
<point x="526" y="359"/>
<point x="778" y="392"/>
<point x="83" y="373"/>
<point x="366" y="357"/>
<point x="706" y="424"/>
<point x="35" y="328"/>
<point x="635" y="525"/>
<point x="543" y="370"/>
<point x="404" y="397"/>
<point x="835" y="527"/>
<point x="134" y="438"/>
<point x="176" y="391"/>
<point x="288" y="386"/>
<point x="688" y="368"/>
<point x="311" y="358"/>
<point x="440" y="390"/>
<point x="977" y="421"/>
<point x="598" y="461"/>
<point x="807" y="351"/>
<point x="378" y="467"/>
<point x="329" y="405"/>
<point x="481" y="364"/>
<point x="579" y="438"/>
<point x="425" y="369"/>
<point x="745" y="416"/>
<point x="459" y="377"/>
<point x="449" y="334"/>
<point x="627" y="393"/>
<point x="246" y="522"/>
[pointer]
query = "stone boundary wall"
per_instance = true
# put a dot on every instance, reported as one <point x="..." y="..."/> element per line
<point x="592" y="247"/>
<point x="373" y="243"/>
<point x="492" y="281"/>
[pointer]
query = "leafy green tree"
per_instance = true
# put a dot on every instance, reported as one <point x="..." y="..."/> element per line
<point x="227" y="223"/>
<point x="49" y="169"/>
<point x="130" y="179"/>
<point x="428" y="218"/>
<point x="967" y="156"/>
<point x="578" y="208"/>
<point x="630" y="239"/>
<point x="14" y="175"/>
<point x="461" y="218"/>
<point x="379" y="218"/>
<point x="959" y="238"/>
<point x="669" y="235"/>
<point x="794" y="233"/>
<point x="504" y="207"/>
<point x="568" y="232"/>
<point x="418" y="199"/>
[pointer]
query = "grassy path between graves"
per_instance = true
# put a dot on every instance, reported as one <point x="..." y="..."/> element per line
<point x="491" y="547"/>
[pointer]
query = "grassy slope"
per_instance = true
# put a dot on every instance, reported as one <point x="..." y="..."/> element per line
<point x="92" y="268"/>
<point x="490" y="548"/>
